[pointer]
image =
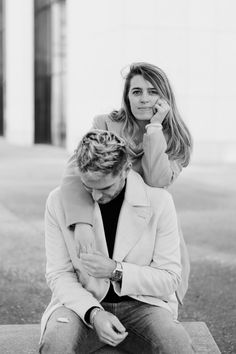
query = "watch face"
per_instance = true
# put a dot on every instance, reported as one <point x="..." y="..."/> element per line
<point x="117" y="276"/>
<point x="117" y="273"/>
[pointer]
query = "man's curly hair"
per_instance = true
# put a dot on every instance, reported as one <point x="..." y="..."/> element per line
<point x="102" y="151"/>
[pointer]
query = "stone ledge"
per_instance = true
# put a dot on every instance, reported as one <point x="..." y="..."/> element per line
<point x="23" y="339"/>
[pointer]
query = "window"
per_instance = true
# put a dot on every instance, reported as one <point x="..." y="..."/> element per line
<point x="50" y="72"/>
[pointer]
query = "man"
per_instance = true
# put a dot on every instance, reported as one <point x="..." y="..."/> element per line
<point x="122" y="294"/>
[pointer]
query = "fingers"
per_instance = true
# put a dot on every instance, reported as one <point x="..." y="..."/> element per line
<point x="97" y="265"/>
<point x="89" y="248"/>
<point x="84" y="238"/>
<point x="118" y="332"/>
<point x="106" y="325"/>
<point x="118" y="326"/>
<point x="113" y="338"/>
<point x="160" y="110"/>
<point x="87" y="258"/>
<point x="162" y="104"/>
<point x="89" y="263"/>
<point x="115" y="341"/>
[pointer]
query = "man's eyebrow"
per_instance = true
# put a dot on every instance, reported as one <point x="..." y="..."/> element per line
<point x="100" y="189"/>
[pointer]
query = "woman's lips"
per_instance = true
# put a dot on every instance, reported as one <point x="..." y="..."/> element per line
<point x="145" y="108"/>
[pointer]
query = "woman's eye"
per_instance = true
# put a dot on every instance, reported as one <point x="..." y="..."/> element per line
<point x="153" y="92"/>
<point x="136" y="93"/>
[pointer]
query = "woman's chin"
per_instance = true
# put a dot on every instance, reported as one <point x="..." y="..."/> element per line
<point x="144" y="117"/>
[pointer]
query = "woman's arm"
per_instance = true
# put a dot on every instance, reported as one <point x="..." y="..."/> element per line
<point x="158" y="170"/>
<point x="77" y="202"/>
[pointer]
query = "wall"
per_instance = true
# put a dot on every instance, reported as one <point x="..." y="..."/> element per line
<point x="193" y="41"/>
<point x="19" y="114"/>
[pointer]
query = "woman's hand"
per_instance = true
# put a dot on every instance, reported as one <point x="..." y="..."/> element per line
<point x="160" y="109"/>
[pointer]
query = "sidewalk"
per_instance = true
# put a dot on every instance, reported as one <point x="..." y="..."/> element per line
<point x="205" y="198"/>
<point x="27" y="174"/>
<point x="26" y="177"/>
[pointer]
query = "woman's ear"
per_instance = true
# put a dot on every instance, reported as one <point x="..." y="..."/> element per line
<point x="129" y="165"/>
<point x="126" y="169"/>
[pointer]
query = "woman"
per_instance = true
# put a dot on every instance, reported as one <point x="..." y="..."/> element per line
<point x="159" y="141"/>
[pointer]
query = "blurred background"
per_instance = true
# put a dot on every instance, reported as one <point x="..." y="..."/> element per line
<point x="60" y="64"/>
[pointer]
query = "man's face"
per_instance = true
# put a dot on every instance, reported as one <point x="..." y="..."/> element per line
<point x="103" y="187"/>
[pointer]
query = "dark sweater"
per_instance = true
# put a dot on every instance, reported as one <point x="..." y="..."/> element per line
<point x="110" y="216"/>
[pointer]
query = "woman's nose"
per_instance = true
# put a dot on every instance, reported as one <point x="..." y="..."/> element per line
<point x="144" y="97"/>
<point x="96" y="195"/>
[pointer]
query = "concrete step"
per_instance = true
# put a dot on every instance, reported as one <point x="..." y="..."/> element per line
<point x="23" y="339"/>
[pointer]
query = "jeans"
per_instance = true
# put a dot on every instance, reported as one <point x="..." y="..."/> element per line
<point x="151" y="329"/>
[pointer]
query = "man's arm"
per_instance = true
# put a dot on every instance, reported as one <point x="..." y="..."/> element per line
<point x="64" y="283"/>
<point x="162" y="276"/>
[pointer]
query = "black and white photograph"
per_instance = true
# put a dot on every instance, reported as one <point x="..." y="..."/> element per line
<point x="117" y="176"/>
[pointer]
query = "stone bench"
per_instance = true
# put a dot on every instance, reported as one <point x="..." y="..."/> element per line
<point x="23" y="339"/>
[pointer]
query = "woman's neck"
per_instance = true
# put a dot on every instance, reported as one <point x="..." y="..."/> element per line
<point x="142" y="123"/>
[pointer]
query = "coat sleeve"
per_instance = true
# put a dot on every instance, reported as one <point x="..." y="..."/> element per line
<point x="162" y="276"/>
<point x="158" y="170"/>
<point x="60" y="274"/>
<point x="77" y="202"/>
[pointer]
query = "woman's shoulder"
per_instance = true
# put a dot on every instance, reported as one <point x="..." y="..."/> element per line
<point x="106" y="122"/>
<point x="100" y="121"/>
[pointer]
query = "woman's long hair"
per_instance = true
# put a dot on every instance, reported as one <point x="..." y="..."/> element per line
<point x="179" y="140"/>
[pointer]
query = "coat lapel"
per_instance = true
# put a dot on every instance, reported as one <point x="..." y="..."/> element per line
<point x="134" y="216"/>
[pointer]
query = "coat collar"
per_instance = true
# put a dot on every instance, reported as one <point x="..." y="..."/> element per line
<point x="134" y="216"/>
<point x="136" y="194"/>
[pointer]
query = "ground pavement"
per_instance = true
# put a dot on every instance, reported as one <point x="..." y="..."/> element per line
<point x="205" y="198"/>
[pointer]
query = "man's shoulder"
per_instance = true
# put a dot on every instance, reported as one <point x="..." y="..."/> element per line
<point x="154" y="195"/>
<point x="159" y="197"/>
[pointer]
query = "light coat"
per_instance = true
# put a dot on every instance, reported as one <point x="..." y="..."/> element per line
<point x="147" y="243"/>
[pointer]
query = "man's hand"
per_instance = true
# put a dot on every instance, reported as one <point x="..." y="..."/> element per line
<point x="109" y="329"/>
<point x="97" y="265"/>
<point x="84" y="238"/>
<point x="161" y="109"/>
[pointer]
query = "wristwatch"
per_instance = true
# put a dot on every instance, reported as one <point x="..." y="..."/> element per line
<point x="117" y="273"/>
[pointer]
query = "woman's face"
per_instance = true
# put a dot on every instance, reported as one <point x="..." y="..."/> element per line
<point x="142" y="97"/>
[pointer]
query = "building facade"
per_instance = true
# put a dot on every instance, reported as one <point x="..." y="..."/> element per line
<point x="60" y="66"/>
<point x="2" y="66"/>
